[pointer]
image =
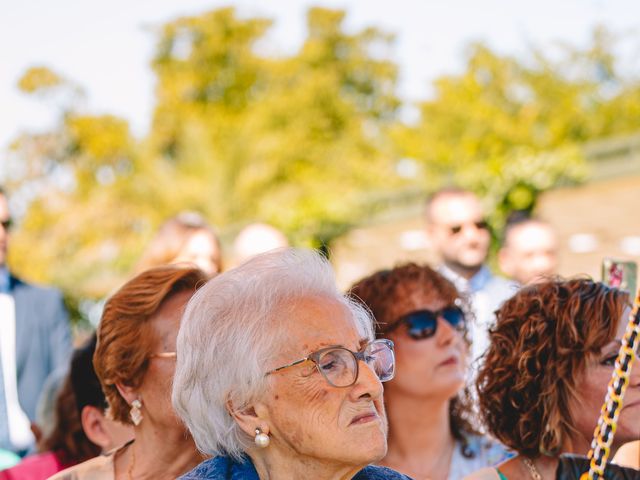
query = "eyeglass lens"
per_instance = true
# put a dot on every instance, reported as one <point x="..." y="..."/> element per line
<point x="340" y="366"/>
<point x="380" y="357"/>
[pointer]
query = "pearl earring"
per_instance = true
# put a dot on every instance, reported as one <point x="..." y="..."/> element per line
<point x="135" y="413"/>
<point x="261" y="439"/>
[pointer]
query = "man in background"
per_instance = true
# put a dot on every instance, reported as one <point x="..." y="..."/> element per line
<point x="530" y="250"/>
<point x="460" y="235"/>
<point x="35" y="341"/>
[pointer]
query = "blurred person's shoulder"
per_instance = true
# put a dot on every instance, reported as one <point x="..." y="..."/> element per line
<point x="98" y="468"/>
<point x="476" y="454"/>
<point x="19" y="283"/>
<point x="501" y="286"/>
<point x="35" y="467"/>
<point x="484" y="474"/>
<point x="489" y="450"/>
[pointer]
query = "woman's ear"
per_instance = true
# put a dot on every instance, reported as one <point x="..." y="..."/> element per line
<point x="92" y="424"/>
<point x="250" y="417"/>
<point x="127" y="392"/>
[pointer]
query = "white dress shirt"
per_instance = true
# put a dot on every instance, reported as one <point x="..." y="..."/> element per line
<point x="19" y="424"/>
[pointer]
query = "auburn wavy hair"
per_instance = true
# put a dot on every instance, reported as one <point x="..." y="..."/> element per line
<point x="542" y="341"/>
<point x="387" y="294"/>
<point x="125" y="335"/>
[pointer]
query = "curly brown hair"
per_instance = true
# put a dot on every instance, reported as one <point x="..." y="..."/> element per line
<point x="542" y="341"/>
<point x="124" y="335"/>
<point x="387" y="293"/>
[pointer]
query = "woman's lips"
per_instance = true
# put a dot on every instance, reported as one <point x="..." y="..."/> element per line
<point x="364" y="418"/>
<point x="452" y="360"/>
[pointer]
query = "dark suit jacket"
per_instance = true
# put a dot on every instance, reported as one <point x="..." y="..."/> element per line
<point x="43" y="339"/>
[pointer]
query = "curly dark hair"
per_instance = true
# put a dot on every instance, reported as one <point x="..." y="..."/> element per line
<point x="542" y="341"/>
<point x="387" y="292"/>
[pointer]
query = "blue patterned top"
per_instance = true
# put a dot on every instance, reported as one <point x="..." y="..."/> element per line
<point x="225" y="468"/>
<point x="480" y="452"/>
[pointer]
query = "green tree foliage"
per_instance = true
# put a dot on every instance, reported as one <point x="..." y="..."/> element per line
<point x="273" y="138"/>
<point x="78" y="180"/>
<point x="309" y="142"/>
<point x="510" y="128"/>
<point x="236" y="134"/>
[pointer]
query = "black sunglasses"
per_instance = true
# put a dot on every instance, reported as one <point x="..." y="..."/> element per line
<point x="6" y="224"/>
<point x="480" y="225"/>
<point x="423" y="324"/>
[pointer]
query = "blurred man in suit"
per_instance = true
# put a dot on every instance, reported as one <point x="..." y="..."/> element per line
<point x="35" y="341"/>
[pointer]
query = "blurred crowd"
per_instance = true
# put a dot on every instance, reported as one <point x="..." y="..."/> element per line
<point x="255" y="365"/>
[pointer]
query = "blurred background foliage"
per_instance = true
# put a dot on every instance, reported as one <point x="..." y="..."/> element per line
<point x="310" y="142"/>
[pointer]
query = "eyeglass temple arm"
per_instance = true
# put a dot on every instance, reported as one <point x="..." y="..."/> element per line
<point x="298" y="362"/>
<point x="165" y="355"/>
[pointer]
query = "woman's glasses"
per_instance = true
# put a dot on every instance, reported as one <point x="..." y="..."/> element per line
<point x="423" y="324"/>
<point x="163" y="355"/>
<point x="340" y="366"/>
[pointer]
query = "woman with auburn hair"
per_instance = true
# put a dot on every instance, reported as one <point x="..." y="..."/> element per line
<point x="546" y="372"/>
<point x="135" y="362"/>
<point x="430" y="432"/>
<point x="185" y="238"/>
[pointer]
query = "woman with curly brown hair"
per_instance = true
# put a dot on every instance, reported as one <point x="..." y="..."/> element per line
<point x="545" y="375"/>
<point x="430" y="433"/>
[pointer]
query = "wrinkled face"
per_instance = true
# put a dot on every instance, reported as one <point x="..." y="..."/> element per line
<point x="432" y="367"/>
<point x="201" y="249"/>
<point x="306" y="416"/>
<point x="593" y="383"/>
<point x="457" y="232"/>
<point x="4" y="233"/>
<point x="530" y="253"/>
<point x="155" y="390"/>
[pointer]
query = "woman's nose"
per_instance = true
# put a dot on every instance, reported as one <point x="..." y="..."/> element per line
<point x="445" y="333"/>
<point x="367" y="385"/>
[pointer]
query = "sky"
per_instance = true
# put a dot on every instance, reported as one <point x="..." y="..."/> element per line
<point x="106" y="47"/>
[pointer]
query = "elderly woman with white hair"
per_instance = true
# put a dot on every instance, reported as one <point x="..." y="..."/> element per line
<point x="278" y="375"/>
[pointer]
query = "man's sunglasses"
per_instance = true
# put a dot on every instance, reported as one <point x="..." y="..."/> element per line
<point x="480" y="225"/>
<point x="6" y="224"/>
<point x="423" y="324"/>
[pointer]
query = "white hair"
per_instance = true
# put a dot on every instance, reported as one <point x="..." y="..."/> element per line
<point x="229" y="330"/>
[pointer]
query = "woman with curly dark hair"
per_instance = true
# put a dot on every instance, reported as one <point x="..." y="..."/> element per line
<point x="546" y="372"/>
<point x="430" y="432"/>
